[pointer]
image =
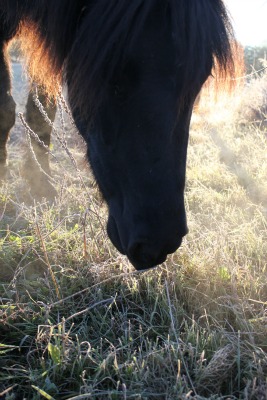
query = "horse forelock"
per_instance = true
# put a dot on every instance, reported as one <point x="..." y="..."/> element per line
<point x="103" y="42"/>
<point x="86" y="41"/>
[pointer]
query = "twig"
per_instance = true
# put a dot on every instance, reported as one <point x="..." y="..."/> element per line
<point x="6" y="391"/>
<point x="102" y="302"/>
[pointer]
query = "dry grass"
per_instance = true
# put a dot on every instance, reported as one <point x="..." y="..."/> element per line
<point x="76" y="322"/>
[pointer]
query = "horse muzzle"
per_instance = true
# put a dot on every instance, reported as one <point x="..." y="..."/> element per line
<point x="145" y="248"/>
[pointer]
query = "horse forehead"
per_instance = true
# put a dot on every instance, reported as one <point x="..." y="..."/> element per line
<point x="154" y="47"/>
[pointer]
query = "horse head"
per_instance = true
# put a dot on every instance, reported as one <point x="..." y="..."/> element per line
<point x="143" y="87"/>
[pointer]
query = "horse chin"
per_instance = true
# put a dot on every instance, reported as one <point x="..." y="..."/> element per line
<point x="142" y="263"/>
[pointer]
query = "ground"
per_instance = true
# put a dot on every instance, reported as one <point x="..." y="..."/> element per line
<point x="77" y="322"/>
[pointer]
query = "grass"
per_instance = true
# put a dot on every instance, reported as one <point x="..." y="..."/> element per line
<point x="77" y="322"/>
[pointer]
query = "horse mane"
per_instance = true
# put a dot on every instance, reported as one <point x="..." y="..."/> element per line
<point x="46" y="34"/>
<point x="85" y="40"/>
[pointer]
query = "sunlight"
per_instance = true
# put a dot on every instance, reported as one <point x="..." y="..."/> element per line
<point x="249" y="20"/>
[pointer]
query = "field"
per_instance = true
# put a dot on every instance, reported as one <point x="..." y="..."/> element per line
<point x="77" y="322"/>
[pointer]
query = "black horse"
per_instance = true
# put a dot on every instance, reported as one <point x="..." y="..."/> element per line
<point x="133" y="70"/>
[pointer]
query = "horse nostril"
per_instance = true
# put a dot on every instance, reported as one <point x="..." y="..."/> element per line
<point x="143" y="255"/>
